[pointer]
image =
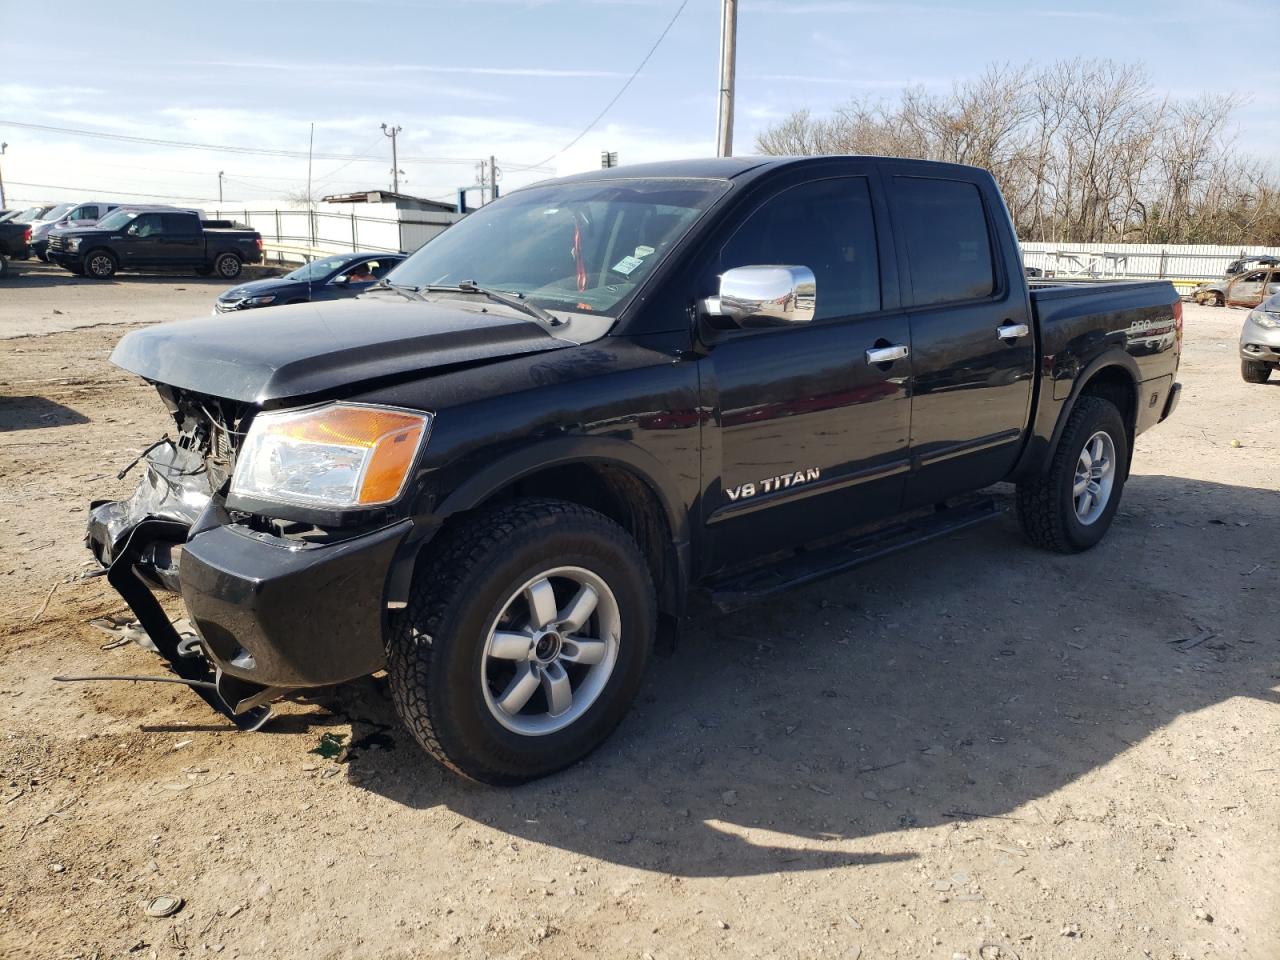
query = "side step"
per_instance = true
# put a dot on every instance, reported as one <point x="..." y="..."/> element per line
<point x="806" y="566"/>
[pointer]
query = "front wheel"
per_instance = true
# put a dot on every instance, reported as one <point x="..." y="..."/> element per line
<point x="1254" y="371"/>
<point x="525" y="640"/>
<point x="1069" y="508"/>
<point x="227" y="266"/>
<point x="100" y="265"/>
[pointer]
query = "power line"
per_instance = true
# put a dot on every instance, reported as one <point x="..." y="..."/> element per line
<point x="118" y="193"/>
<point x="618" y="96"/>
<point x="229" y="148"/>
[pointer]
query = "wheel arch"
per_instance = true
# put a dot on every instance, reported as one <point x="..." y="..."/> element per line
<point x="1113" y="376"/>
<point x="614" y="477"/>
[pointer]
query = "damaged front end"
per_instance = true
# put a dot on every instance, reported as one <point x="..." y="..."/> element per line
<point x="140" y="542"/>
<point x="276" y="605"/>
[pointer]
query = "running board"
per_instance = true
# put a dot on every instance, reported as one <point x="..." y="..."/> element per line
<point x="807" y="566"/>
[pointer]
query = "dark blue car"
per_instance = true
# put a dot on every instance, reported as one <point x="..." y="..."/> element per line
<point x="331" y="278"/>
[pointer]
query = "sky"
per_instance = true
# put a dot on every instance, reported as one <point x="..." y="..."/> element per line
<point x="521" y="79"/>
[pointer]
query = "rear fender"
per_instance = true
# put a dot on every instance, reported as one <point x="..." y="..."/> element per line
<point x="1112" y="358"/>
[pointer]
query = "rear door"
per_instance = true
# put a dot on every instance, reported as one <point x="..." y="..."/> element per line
<point x="182" y="238"/>
<point x="972" y="338"/>
<point x="812" y="437"/>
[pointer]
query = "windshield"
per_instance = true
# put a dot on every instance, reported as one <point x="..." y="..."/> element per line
<point x="58" y="212"/>
<point x="116" y="219"/>
<point x="572" y="246"/>
<point x="29" y="214"/>
<point x="317" y="269"/>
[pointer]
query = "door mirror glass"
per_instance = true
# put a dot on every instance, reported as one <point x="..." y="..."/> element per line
<point x="339" y="280"/>
<point x="765" y="296"/>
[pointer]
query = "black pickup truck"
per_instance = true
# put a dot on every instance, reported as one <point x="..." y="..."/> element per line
<point x="498" y="474"/>
<point x="15" y="243"/>
<point x="141" y="239"/>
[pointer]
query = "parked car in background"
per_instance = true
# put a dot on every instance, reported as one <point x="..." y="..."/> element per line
<point x="27" y="214"/>
<point x="67" y="215"/>
<point x="1260" y="341"/>
<point x="1243" y="290"/>
<point x="494" y="476"/>
<point x="331" y="278"/>
<point x="15" y="239"/>
<point x="149" y="239"/>
<point x="41" y="225"/>
<point x="6" y="214"/>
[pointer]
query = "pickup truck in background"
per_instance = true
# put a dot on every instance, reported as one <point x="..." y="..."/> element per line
<point x="500" y="471"/>
<point x="84" y="214"/>
<point x="141" y="239"/>
<point x="15" y="243"/>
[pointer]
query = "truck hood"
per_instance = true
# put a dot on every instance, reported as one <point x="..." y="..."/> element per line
<point x="260" y="356"/>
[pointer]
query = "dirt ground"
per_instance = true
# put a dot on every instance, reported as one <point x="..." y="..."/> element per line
<point x="973" y="749"/>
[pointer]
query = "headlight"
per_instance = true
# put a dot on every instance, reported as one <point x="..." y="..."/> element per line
<point x="339" y="456"/>
<point x="259" y="301"/>
<point x="74" y="244"/>
<point x="1264" y="318"/>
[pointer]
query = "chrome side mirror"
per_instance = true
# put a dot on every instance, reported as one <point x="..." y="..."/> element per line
<point x="765" y="296"/>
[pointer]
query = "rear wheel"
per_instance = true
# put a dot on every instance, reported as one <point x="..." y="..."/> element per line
<point x="100" y="265"/>
<point x="1254" y="371"/>
<point x="525" y="640"/>
<point x="227" y="266"/>
<point x="1070" y="507"/>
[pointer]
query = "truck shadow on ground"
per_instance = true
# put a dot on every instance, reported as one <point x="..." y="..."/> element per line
<point x="35" y="413"/>
<point x="970" y="679"/>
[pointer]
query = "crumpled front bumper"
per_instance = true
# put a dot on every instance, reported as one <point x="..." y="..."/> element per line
<point x="272" y="614"/>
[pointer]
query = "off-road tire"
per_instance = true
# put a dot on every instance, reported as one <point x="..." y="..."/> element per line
<point x="100" y="264"/>
<point x="1046" y="508"/>
<point x="435" y="648"/>
<point x="1254" y="371"/>
<point x="227" y="266"/>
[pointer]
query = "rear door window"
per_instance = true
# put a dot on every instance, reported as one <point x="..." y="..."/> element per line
<point x="826" y="226"/>
<point x="948" y="242"/>
<point x="178" y="223"/>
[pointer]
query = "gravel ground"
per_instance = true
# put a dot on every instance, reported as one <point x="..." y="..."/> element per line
<point x="972" y="749"/>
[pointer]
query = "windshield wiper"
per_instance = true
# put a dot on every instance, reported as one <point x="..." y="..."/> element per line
<point x="516" y="301"/>
<point x="406" y="291"/>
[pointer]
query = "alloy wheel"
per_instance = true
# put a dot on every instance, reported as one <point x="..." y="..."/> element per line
<point x="1094" y="477"/>
<point x="551" y="651"/>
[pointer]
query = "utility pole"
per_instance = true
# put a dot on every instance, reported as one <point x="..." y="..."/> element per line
<point x="220" y="176"/>
<point x="3" y="148"/>
<point x="392" y="132"/>
<point x="728" y="56"/>
<point x="493" y="178"/>
<point x="608" y="159"/>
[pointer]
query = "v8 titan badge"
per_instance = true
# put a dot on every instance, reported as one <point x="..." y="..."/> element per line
<point x="770" y="484"/>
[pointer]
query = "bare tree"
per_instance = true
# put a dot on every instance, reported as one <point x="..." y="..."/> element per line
<point x="1083" y="150"/>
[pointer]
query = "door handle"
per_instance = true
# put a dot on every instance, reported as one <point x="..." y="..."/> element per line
<point x="888" y="354"/>
<point x="1012" y="331"/>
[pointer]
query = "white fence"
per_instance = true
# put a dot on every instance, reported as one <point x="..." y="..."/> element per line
<point x="297" y="235"/>
<point x="381" y="228"/>
<point x="1185" y="265"/>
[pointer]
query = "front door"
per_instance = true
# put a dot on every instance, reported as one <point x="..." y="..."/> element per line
<point x="972" y="337"/>
<point x="1252" y="288"/>
<point x="812" y="437"/>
